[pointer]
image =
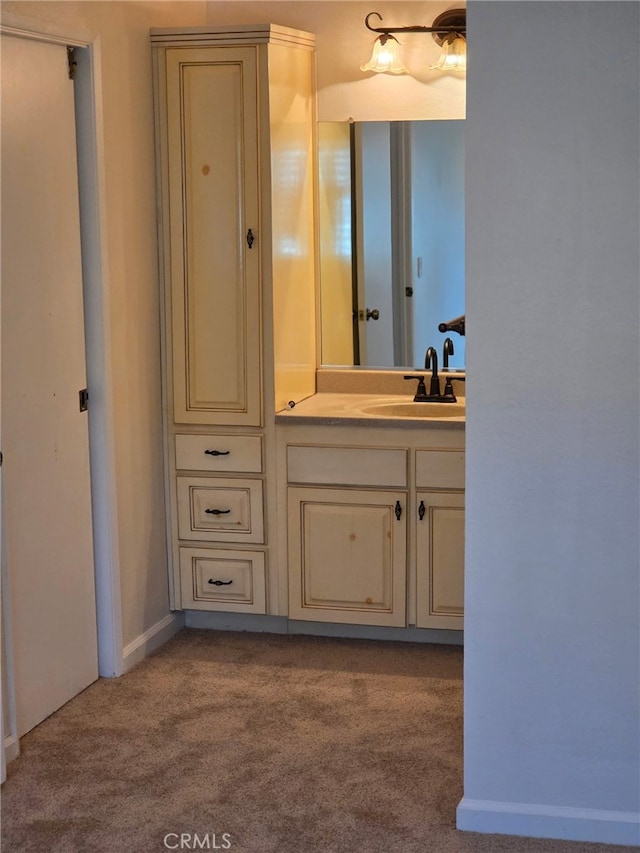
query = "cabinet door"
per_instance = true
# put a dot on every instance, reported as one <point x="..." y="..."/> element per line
<point x="212" y="167"/>
<point x="440" y="559"/>
<point x="347" y="556"/>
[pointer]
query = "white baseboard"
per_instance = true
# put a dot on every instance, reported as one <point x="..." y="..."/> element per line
<point x="11" y="748"/>
<point x="137" y="650"/>
<point x="539" y="821"/>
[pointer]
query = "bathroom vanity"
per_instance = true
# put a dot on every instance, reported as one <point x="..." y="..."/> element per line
<point x="343" y="512"/>
<point x="375" y="509"/>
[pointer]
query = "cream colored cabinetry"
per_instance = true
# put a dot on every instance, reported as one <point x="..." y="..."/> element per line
<point x="222" y="580"/>
<point x="439" y="538"/>
<point x="347" y="534"/>
<point x="221" y="510"/>
<point x="214" y="512"/>
<point x="213" y="202"/>
<point x="376" y="533"/>
<point x="235" y="129"/>
<point x="347" y="553"/>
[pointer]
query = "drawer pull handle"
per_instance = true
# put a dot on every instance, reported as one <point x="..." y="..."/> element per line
<point x="218" y="511"/>
<point x="421" y="510"/>
<point x="219" y="583"/>
<point x="250" y="238"/>
<point x="398" y="510"/>
<point x="218" y="452"/>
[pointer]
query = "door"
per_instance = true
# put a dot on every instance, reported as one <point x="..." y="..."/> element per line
<point x="46" y="486"/>
<point x="373" y="243"/>
<point x="437" y="233"/>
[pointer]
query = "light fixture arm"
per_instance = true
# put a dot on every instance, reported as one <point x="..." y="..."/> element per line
<point x="451" y="21"/>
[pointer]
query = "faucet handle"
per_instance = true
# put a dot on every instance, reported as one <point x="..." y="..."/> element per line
<point x="448" y="396"/>
<point x="421" y="391"/>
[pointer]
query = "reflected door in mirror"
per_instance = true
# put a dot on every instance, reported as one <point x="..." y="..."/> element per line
<point x="392" y="240"/>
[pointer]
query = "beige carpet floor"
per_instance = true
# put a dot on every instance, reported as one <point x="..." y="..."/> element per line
<point x="274" y="744"/>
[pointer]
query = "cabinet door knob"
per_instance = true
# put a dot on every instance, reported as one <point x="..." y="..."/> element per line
<point x="421" y="510"/>
<point x="218" y="511"/>
<point x="398" y="510"/>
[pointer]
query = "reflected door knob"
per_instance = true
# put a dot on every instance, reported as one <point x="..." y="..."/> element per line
<point x="372" y="315"/>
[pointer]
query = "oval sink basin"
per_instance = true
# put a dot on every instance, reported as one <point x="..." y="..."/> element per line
<point x="416" y="410"/>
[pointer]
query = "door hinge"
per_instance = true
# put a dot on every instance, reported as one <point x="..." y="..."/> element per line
<point x="84" y="399"/>
<point x="72" y="62"/>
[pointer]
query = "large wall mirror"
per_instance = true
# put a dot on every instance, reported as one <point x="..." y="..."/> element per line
<point x="391" y="240"/>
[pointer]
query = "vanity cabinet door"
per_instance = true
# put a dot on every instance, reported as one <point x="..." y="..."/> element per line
<point x="347" y="556"/>
<point x="212" y="210"/>
<point x="440" y="559"/>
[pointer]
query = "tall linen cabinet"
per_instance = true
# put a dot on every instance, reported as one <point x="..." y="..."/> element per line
<point x="235" y="125"/>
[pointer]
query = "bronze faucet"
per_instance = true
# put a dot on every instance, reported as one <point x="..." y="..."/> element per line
<point x="431" y="363"/>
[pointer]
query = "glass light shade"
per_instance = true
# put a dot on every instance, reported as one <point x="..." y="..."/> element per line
<point x="454" y="54"/>
<point x="385" y="58"/>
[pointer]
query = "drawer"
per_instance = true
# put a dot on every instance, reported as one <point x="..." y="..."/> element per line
<point x="440" y="469"/>
<point x="220" y="509"/>
<point x="353" y="466"/>
<point x="214" y="579"/>
<point x="233" y="453"/>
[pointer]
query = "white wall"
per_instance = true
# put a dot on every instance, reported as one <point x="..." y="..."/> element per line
<point x="343" y="44"/>
<point x="552" y="599"/>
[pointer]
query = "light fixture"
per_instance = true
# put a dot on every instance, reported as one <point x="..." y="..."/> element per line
<point x="385" y="58"/>
<point x="449" y="30"/>
<point x="454" y="54"/>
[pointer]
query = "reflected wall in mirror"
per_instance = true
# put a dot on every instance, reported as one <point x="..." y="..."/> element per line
<point x="391" y="240"/>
